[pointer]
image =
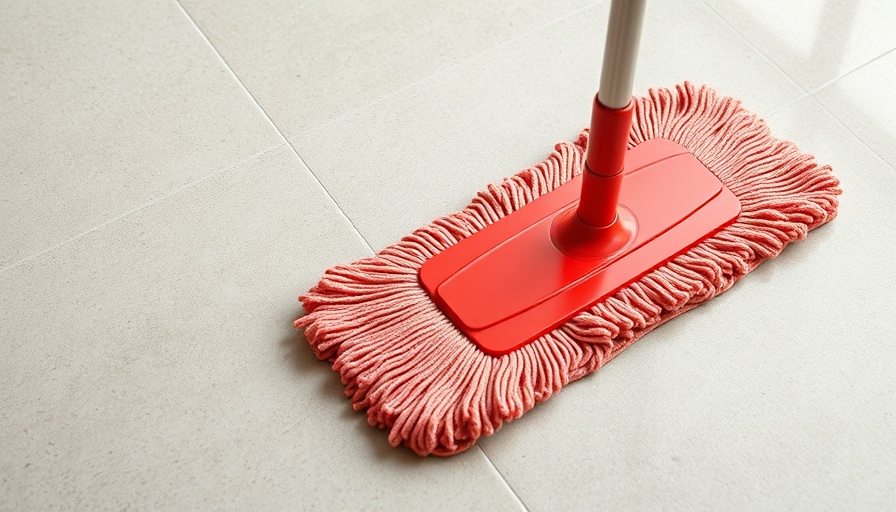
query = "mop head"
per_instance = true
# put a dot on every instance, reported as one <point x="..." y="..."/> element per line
<point x="404" y="362"/>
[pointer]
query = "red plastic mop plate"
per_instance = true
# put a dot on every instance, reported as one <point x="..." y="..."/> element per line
<point x="508" y="284"/>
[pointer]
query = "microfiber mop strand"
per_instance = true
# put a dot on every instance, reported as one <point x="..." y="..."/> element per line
<point x="415" y="373"/>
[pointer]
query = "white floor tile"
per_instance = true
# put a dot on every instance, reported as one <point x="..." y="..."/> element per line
<point x="107" y="106"/>
<point x="423" y="153"/>
<point x="307" y="62"/>
<point x="152" y="364"/>
<point x="155" y="229"/>
<point x="813" y="41"/>
<point x="865" y="102"/>
<point x="775" y="395"/>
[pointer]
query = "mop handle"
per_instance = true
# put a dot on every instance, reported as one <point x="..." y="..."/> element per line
<point x="621" y="52"/>
<point x="611" y="116"/>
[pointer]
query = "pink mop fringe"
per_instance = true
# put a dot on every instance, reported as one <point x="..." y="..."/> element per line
<point x="414" y="373"/>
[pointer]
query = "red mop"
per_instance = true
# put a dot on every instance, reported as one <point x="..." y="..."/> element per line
<point x="471" y="320"/>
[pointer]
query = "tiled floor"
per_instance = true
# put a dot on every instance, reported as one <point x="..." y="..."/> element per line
<point x="173" y="174"/>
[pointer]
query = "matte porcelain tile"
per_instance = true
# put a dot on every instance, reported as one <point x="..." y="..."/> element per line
<point x="152" y="364"/>
<point x="777" y="395"/>
<point x="306" y="62"/>
<point x="425" y="151"/>
<point x="105" y="106"/>
<point x="865" y="102"/>
<point x="812" y="41"/>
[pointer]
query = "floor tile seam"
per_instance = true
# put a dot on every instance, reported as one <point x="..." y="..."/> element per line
<point x="867" y="63"/>
<point x="759" y="51"/>
<point x="814" y="97"/>
<point x="503" y="478"/>
<point x="448" y="68"/>
<point x="789" y="104"/>
<point x="280" y="133"/>
<point x="814" y="94"/>
<point x="808" y="92"/>
<point x="146" y="204"/>
<point x="882" y="158"/>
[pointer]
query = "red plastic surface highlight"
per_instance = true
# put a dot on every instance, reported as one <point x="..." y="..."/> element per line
<point x="508" y="284"/>
<point x="606" y="152"/>
<point x="599" y="197"/>
<point x="573" y="237"/>
<point x="604" y="161"/>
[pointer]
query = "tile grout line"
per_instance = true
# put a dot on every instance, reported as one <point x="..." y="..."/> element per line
<point x="798" y="99"/>
<point x="854" y="134"/>
<point x="136" y="209"/>
<point x="851" y="71"/>
<point x="774" y="64"/>
<point x="814" y="91"/>
<point x="271" y="121"/>
<point x="813" y="94"/>
<point x="806" y="92"/>
<point x="503" y="479"/>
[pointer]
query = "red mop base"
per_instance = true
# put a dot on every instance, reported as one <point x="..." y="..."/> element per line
<point x="510" y="282"/>
<point x="405" y="363"/>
